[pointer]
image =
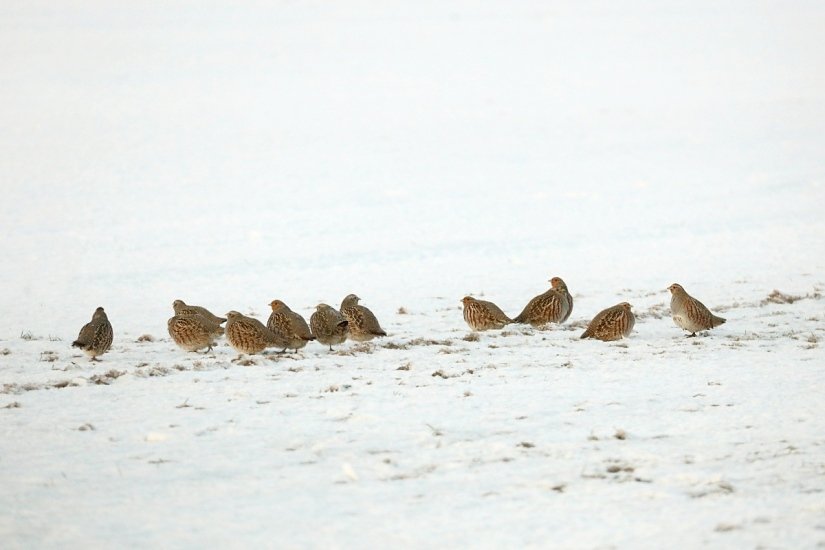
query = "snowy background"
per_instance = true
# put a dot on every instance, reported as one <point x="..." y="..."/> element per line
<point x="413" y="153"/>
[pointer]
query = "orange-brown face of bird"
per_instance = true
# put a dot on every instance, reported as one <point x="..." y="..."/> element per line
<point x="674" y="288"/>
<point x="276" y="305"/>
<point x="466" y="300"/>
<point x="555" y="281"/>
<point x="626" y="306"/>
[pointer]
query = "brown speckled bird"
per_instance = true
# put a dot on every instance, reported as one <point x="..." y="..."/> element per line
<point x="613" y="323"/>
<point x="362" y="323"/>
<point x="248" y="335"/>
<point x="328" y="325"/>
<point x="285" y="322"/>
<point x="483" y="315"/>
<point x="550" y="307"/>
<point x="560" y="287"/>
<point x="182" y="308"/>
<point x="689" y="313"/>
<point x="193" y="332"/>
<point x="96" y="336"/>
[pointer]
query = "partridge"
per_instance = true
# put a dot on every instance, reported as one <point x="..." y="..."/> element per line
<point x="328" y="325"/>
<point x="182" y="308"/>
<point x="483" y="315"/>
<point x="290" y="325"/>
<point x="613" y="323"/>
<point x="96" y="336"/>
<point x="550" y="307"/>
<point x="689" y="313"/>
<point x="193" y="332"/>
<point x="362" y="324"/>
<point x="248" y="335"/>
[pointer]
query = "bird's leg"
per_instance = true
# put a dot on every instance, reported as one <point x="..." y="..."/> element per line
<point x="691" y="335"/>
<point x="330" y="348"/>
<point x="94" y="359"/>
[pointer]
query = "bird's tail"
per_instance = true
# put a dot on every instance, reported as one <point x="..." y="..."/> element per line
<point x="717" y="320"/>
<point x="78" y="344"/>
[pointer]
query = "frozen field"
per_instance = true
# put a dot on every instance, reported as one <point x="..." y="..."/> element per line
<point x="413" y="153"/>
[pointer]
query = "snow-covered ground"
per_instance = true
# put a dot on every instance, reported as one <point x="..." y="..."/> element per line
<point x="412" y="153"/>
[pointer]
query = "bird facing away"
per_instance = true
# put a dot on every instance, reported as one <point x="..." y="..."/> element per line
<point x="483" y="315"/>
<point x="248" y="335"/>
<point x="96" y="336"/>
<point x="182" y="308"/>
<point x="560" y="287"/>
<point x="288" y="324"/>
<point x="193" y="332"/>
<point x="689" y="313"/>
<point x="550" y="307"/>
<point x="613" y="323"/>
<point x="362" y="324"/>
<point x="328" y="325"/>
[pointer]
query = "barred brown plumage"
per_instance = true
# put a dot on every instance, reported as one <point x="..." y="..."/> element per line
<point x="689" y="313"/>
<point x="96" y="336"/>
<point x="362" y="323"/>
<point x="328" y="325"/>
<point x="289" y="325"/>
<point x="549" y="307"/>
<point x="483" y="315"/>
<point x="249" y="335"/>
<point x="193" y="332"/>
<point x="613" y="323"/>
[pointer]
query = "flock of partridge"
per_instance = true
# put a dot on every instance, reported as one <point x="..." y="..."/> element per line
<point x="194" y="328"/>
<point x="613" y="323"/>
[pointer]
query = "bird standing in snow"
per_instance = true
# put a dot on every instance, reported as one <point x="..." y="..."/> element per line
<point x="549" y="307"/>
<point x="613" y="323"/>
<point x="328" y="325"/>
<point x="290" y="325"/>
<point x="362" y="323"/>
<point x="96" y="336"/>
<point x="483" y="315"/>
<point x="249" y="335"/>
<point x="689" y="313"/>
<point x="193" y="332"/>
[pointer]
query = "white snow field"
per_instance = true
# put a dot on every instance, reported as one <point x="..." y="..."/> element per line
<point x="413" y="152"/>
